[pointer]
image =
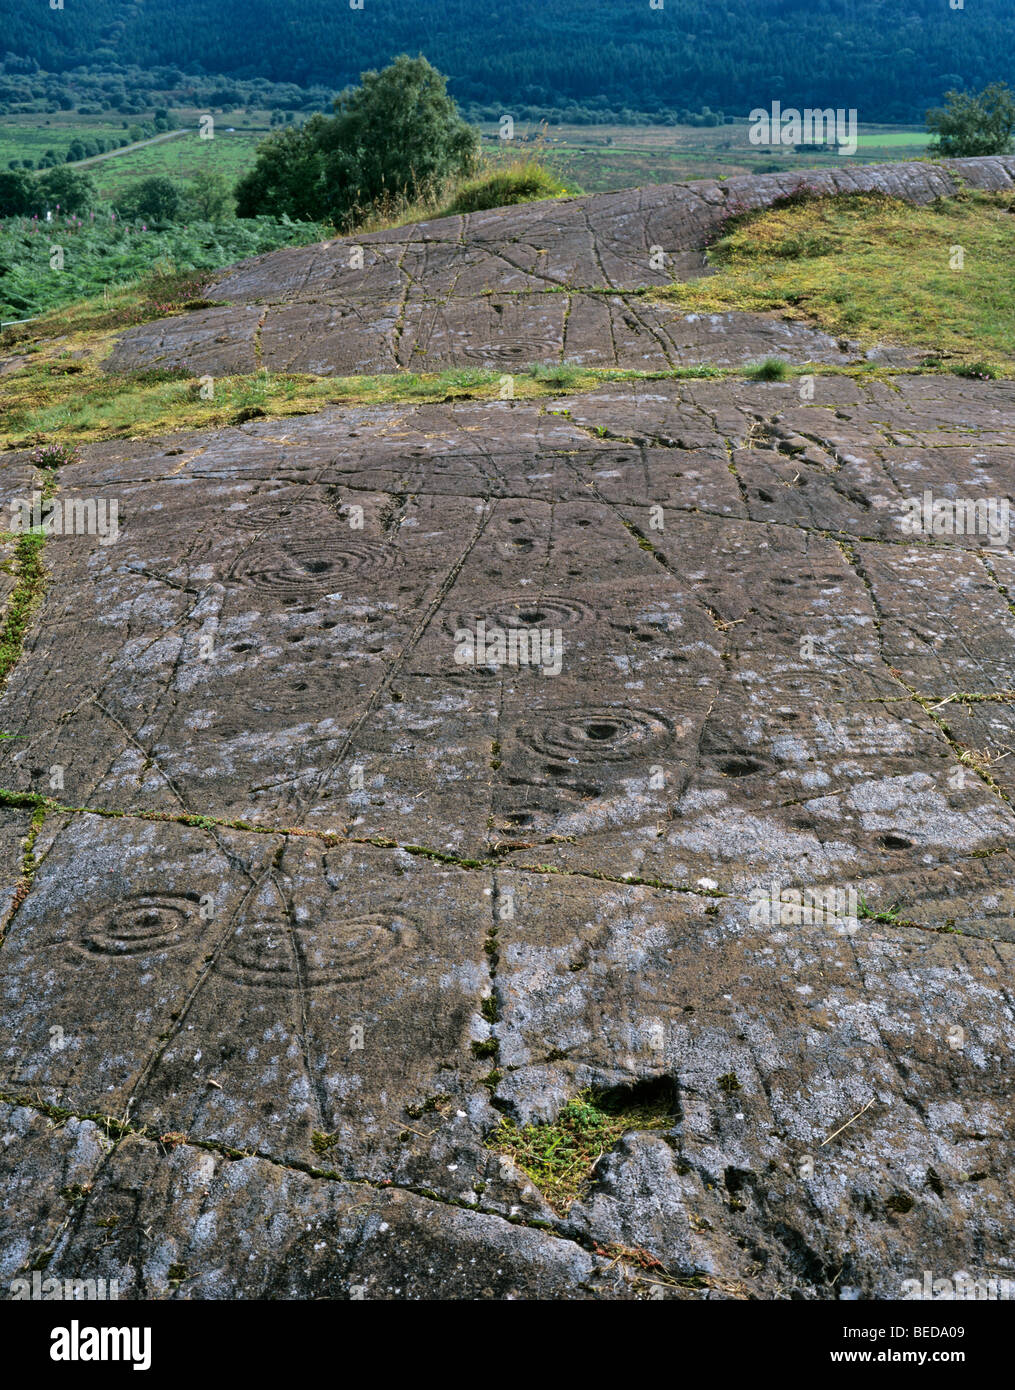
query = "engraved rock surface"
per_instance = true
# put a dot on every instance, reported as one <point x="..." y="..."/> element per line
<point x="311" y="900"/>
<point x="540" y="282"/>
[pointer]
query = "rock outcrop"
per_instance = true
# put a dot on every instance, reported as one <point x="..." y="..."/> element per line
<point x="317" y="890"/>
<point x="540" y="282"/>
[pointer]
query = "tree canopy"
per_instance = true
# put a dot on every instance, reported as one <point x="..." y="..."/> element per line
<point x="393" y="137"/>
<point x="57" y="190"/>
<point x="154" y="199"/>
<point x="972" y="124"/>
<point x="890" y="59"/>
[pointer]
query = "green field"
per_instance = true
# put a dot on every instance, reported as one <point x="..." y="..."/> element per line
<point x="894" y="139"/>
<point x="595" y="158"/>
<point x="29" y="137"/>
<point x="600" y="158"/>
<point x="179" y="159"/>
<point x="231" y="150"/>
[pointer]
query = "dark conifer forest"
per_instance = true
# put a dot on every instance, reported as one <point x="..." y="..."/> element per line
<point x="890" y="59"/>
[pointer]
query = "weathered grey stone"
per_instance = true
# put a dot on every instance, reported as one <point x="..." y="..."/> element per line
<point x="525" y="284"/>
<point x="168" y="1220"/>
<point x="315" y="900"/>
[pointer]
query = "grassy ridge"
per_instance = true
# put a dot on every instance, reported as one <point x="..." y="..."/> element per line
<point x="62" y="395"/>
<point x="875" y="269"/>
<point x="872" y="269"/>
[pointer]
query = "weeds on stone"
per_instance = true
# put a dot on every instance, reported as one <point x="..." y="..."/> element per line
<point x="889" y="915"/>
<point x="54" y="455"/>
<point x="771" y="369"/>
<point x="560" y="1158"/>
<point x="322" y="1143"/>
<point x="978" y="371"/>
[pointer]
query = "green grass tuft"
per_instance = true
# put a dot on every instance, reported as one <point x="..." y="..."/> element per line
<point x="560" y="1158"/>
<point x="525" y="181"/>
<point x="557" y="374"/>
<point x="771" y="369"/>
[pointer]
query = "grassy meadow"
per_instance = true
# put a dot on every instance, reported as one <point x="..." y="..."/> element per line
<point x="596" y="158"/>
<point x="601" y="158"/>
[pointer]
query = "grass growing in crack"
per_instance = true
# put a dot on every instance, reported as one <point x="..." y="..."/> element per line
<point x="888" y="915"/>
<point x="30" y="578"/>
<point x="703" y="370"/>
<point x="559" y="375"/>
<point x="560" y="1158"/>
<point x="29" y="583"/>
<point x="29" y="864"/>
<point x="771" y="369"/>
<point x="61" y="395"/>
<point x="875" y="269"/>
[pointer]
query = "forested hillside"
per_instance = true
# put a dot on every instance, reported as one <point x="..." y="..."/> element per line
<point x="889" y="58"/>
